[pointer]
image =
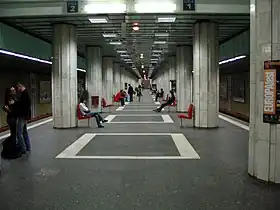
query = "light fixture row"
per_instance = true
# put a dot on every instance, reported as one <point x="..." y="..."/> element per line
<point x="111" y="8"/>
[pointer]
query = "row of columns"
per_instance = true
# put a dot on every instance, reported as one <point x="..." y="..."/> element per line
<point x="104" y="76"/>
<point x="198" y="83"/>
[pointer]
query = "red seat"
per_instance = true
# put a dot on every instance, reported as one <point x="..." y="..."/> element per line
<point x="105" y="105"/>
<point x="188" y="116"/>
<point x="82" y="117"/>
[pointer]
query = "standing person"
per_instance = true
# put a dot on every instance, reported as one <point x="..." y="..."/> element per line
<point x="170" y="101"/>
<point x="139" y="93"/>
<point x="23" y="110"/>
<point x="130" y="92"/>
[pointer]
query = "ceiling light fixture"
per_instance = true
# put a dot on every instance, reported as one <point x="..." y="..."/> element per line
<point x="124" y="55"/>
<point x="122" y="51"/>
<point x="115" y="42"/>
<point x="98" y="20"/>
<point x="157" y="51"/>
<point x="111" y="35"/>
<point x="155" y="7"/>
<point x="141" y="55"/>
<point x="166" y="19"/>
<point x="156" y="55"/>
<point x="142" y="66"/>
<point x="135" y="28"/>
<point x="159" y="42"/>
<point x="232" y="59"/>
<point x="105" y="8"/>
<point x="165" y="34"/>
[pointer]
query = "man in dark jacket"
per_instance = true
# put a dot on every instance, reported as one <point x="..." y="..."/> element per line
<point x="130" y="92"/>
<point x="23" y="106"/>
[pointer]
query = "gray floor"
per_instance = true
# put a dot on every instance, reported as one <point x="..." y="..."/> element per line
<point x="218" y="180"/>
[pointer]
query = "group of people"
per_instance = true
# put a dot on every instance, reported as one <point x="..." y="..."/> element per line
<point x="17" y="105"/>
<point x="119" y="97"/>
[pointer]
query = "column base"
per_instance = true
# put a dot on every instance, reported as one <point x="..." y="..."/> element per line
<point x="261" y="181"/>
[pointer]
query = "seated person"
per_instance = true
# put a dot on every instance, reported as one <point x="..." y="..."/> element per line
<point x="86" y="112"/>
<point x="170" y="101"/>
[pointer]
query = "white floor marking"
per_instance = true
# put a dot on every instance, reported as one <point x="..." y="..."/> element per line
<point x="184" y="147"/>
<point x="131" y="157"/>
<point x="77" y="146"/>
<point x="120" y="108"/>
<point x="138" y="122"/>
<point x="110" y="118"/>
<point x="245" y="127"/>
<point x="28" y="127"/>
<point x="167" y="119"/>
<point x="138" y="115"/>
<point x="136" y="110"/>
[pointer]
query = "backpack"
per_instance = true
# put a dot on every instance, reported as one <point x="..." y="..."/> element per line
<point x="11" y="149"/>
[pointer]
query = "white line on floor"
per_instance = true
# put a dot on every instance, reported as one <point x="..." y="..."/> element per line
<point x="139" y="115"/>
<point x="167" y="119"/>
<point x="136" y="110"/>
<point x="120" y="108"/>
<point x="77" y="146"/>
<point x="245" y="127"/>
<point x="133" y="134"/>
<point x="132" y="157"/>
<point x="110" y="118"/>
<point x="184" y="147"/>
<point x="28" y="127"/>
<point x="138" y="122"/>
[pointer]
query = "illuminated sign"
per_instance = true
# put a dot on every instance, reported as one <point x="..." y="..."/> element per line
<point x="271" y="92"/>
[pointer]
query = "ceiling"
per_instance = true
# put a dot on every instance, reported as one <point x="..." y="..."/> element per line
<point x="136" y="42"/>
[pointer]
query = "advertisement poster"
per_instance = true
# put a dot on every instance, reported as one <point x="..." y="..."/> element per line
<point x="45" y="92"/>
<point x="271" y="99"/>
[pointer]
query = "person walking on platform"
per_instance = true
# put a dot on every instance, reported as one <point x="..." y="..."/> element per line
<point x="130" y="92"/>
<point x="23" y="109"/>
<point x="138" y="93"/>
<point x="86" y="112"/>
<point x="170" y="101"/>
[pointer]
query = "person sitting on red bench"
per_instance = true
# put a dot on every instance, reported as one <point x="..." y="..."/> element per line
<point x="170" y="101"/>
<point x="86" y="112"/>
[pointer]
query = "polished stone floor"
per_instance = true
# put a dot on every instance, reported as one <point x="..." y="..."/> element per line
<point x="141" y="160"/>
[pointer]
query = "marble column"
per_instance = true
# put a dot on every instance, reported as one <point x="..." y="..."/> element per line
<point x="172" y="69"/>
<point x="206" y="74"/>
<point x="94" y="74"/>
<point x="184" y="77"/>
<point x="122" y="77"/>
<point x="116" y="77"/>
<point x="108" y="78"/>
<point x="264" y="141"/>
<point x="64" y="76"/>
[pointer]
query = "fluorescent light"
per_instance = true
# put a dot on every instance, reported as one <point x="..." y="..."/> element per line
<point x="98" y="20"/>
<point x="159" y="42"/>
<point x="156" y="55"/>
<point x="166" y="19"/>
<point x="162" y="34"/>
<point x="112" y="35"/>
<point x="30" y="58"/>
<point x="122" y="51"/>
<point x="232" y="59"/>
<point x="115" y="42"/>
<point x="157" y="51"/>
<point x="105" y="8"/>
<point x="142" y="66"/>
<point x="124" y="55"/>
<point x="141" y="55"/>
<point x="155" y="7"/>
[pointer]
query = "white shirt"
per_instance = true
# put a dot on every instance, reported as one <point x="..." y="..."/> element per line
<point x="83" y="108"/>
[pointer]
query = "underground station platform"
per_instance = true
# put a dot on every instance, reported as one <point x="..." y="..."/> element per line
<point x="140" y="160"/>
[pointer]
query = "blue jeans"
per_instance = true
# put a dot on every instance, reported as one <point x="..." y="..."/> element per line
<point x="97" y="116"/>
<point x="22" y="135"/>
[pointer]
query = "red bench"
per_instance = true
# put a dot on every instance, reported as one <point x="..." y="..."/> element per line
<point x="105" y="105"/>
<point x="82" y="117"/>
<point x="188" y="116"/>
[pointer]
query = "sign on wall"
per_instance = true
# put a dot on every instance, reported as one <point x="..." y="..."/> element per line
<point x="188" y="5"/>
<point x="45" y="92"/>
<point x="271" y="99"/>
<point x="72" y="6"/>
